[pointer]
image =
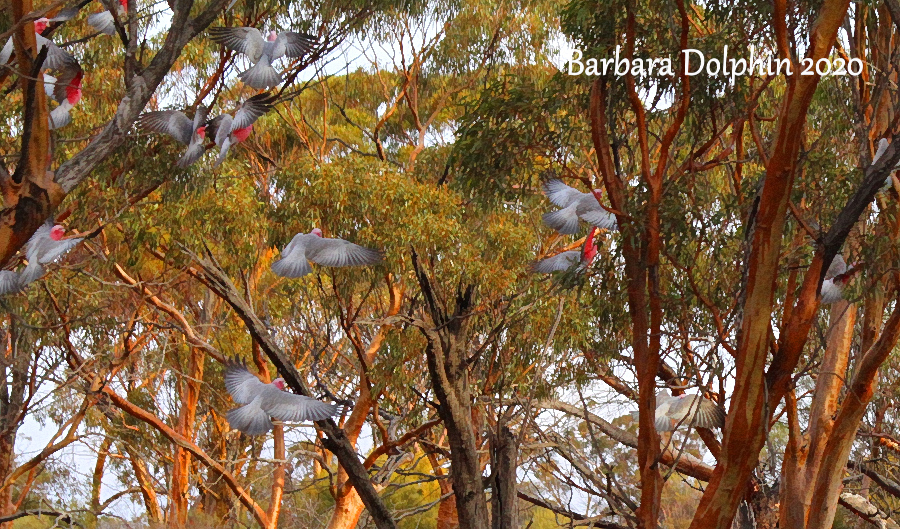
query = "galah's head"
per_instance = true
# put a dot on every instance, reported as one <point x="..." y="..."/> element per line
<point x="590" y="248"/>
<point x="201" y="131"/>
<point x="317" y="232"/>
<point x="57" y="232"/>
<point x="40" y="25"/>
<point x="272" y="36"/>
<point x="124" y="4"/>
<point x="278" y="383"/>
<point x="242" y="134"/>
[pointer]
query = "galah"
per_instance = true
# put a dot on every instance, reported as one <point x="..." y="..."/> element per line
<point x="183" y="129"/>
<point x="263" y="401"/>
<point x="262" y="51"/>
<point x="685" y="410"/>
<point x="836" y="278"/>
<point x="104" y="22"/>
<point x="306" y="247"/>
<point x="57" y="58"/>
<point x="575" y="206"/>
<point x="65" y="90"/>
<point x="44" y="247"/>
<point x="228" y="131"/>
<point x="571" y="259"/>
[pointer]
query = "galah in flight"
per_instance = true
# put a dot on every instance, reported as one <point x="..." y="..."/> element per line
<point x="104" y="21"/>
<point x="836" y="278"/>
<point x="57" y="58"/>
<point x="44" y="247"/>
<point x="262" y="51"/>
<point x="228" y="131"/>
<point x="183" y="129"/>
<point x="306" y="247"/>
<point x="685" y="410"/>
<point x="65" y="89"/>
<point x="263" y="401"/>
<point x="577" y="259"/>
<point x="575" y="206"/>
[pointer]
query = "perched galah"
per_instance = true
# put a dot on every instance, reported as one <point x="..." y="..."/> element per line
<point x="575" y="205"/>
<point x="228" y="131"/>
<point x="180" y="127"/>
<point x="57" y="58"/>
<point x="44" y="247"/>
<point x="306" y="247"/>
<point x="262" y="51"/>
<point x="263" y="401"/>
<point x="104" y="21"/>
<point x="578" y="260"/>
<point x="836" y="278"/>
<point x="685" y="410"/>
<point x="65" y="90"/>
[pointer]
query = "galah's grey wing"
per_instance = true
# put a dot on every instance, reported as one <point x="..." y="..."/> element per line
<point x="38" y="243"/>
<point x="251" y="110"/>
<point x="171" y="122"/>
<point x="557" y="263"/>
<point x="248" y="41"/>
<point x="293" y="262"/>
<point x="60" y="116"/>
<point x="561" y="194"/>
<point x="10" y="282"/>
<point x="338" y="252"/>
<point x="289" y="407"/>
<point x="243" y="385"/>
<point x="65" y="14"/>
<point x="102" y="22"/>
<point x="250" y="419"/>
<point x="294" y="44"/>
<point x="600" y="217"/>
<point x="57" y="58"/>
<point x="837" y="267"/>
<point x="563" y="220"/>
<point x="199" y="118"/>
<point x="709" y="415"/>
<point x="58" y="249"/>
<point x="194" y="152"/>
<point x="6" y="52"/>
<point x="32" y="273"/>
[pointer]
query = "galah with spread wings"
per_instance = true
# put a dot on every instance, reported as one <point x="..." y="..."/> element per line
<point x="262" y="51"/>
<point x="306" y="247"/>
<point x="262" y="401"/>
<point x="575" y="206"/>
<point x="571" y="259"/>
<point x="183" y="129"/>
<point x="685" y="410"/>
<point x="836" y="278"/>
<point x="228" y="131"/>
<point x="104" y="22"/>
<point x="57" y="58"/>
<point x="44" y="247"/>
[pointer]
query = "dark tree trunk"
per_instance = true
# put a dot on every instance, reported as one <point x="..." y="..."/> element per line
<point x="504" y="501"/>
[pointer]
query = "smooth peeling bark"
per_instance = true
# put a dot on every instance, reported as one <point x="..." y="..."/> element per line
<point x="180" y="482"/>
<point x="837" y="452"/>
<point x="747" y="423"/>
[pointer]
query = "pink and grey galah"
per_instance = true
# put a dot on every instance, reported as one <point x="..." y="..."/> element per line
<point x="45" y="246"/>
<point x="261" y="402"/>
<point x="57" y="58"/>
<point x="836" y="278"/>
<point x="65" y="89"/>
<point x="185" y="130"/>
<point x="306" y="247"/>
<point x="685" y="410"/>
<point x="575" y="206"/>
<point x="571" y="259"/>
<point x="228" y="131"/>
<point x="104" y="22"/>
<point x="262" y="51"/>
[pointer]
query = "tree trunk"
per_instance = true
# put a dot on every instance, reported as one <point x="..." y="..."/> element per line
<point x="181" y="468"/>
<point x="504" y="501"/>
